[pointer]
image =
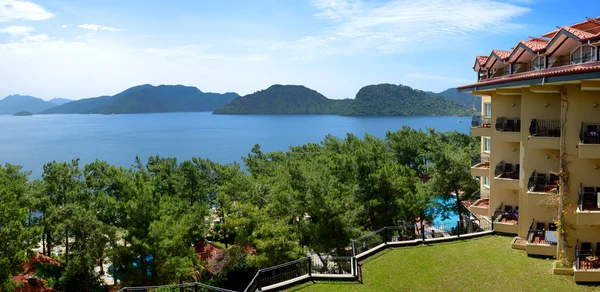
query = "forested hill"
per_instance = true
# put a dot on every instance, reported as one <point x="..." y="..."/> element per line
<point x="148" y="99"/>
<point x="284" y="99"/>
<point x="400" y="100"/>
<point x="465" y="99"/>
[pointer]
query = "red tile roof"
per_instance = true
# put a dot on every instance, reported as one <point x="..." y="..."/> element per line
<point x="502" y="54"/>
<point x="535" y="44"/>
<point x="481" y="60"/>
<point x="563" y="70"/>
<point x="582" y="35"/>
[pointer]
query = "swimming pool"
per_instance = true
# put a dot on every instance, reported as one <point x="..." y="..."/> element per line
<point x="443" y="211"/>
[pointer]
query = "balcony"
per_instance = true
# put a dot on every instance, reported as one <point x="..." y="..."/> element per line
<point x="542" y="241"/>
<point x="508" y="129"/>
<point x="587" y="264"/>
<point x="589" y="141"/>
<point x="540" y="183"/>
<point x="480" y="164"/>
<point x="506" y="220"/>
<point x="588" y="207"/>
<point x="478" y="205"/>
<point x="506" y="176"/>
<point x="544" y="134"/>
<point x="480" y="126"/>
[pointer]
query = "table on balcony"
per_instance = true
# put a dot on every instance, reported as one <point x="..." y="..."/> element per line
<point x="551" y="237"/>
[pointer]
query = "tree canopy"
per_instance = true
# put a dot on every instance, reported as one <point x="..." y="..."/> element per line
<point x="145" y="220"/>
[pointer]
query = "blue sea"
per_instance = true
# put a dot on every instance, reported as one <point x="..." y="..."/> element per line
<point x="34" y="140"/>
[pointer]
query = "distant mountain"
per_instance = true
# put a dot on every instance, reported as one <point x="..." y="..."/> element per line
<point x="400" y="100"/>
<point x="284" y="99"/>
<point x="148" y="99"/>
<point x="465" y="99"/>
<point x="59" y="101"/>
<point x="18" y="103"/>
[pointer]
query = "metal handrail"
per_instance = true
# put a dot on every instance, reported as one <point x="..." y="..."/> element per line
<point x="507" y="124"/>
<point x="544" y="128"/>
<point x="481" y="121"/>
<point x="479" y="158"/>
<point x="590" y="133"/>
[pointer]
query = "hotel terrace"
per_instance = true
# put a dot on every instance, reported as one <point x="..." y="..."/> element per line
<point x="540" y="106"/>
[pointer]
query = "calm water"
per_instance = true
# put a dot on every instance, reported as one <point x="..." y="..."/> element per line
<point x="34" y="140"/>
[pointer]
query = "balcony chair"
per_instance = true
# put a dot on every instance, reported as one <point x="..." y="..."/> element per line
<point x="515" y="172"/>
<point x="591" y="135"/>
<point x="590" y="199"/>
<point x="510" y="125"/>
<point x="540" y="181"/>
<point x="586" y="248"/>
<point x="515" y="213"/>
<point x="540" y="227"/>
<point x="551" y="227"/>
<point x="518" y="126"/>
<point x="508" y="169"/>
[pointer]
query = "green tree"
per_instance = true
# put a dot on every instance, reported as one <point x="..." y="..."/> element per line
<point x="17" y="238"/>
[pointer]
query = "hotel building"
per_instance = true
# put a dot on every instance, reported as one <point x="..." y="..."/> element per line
<point x="541" y="107"/>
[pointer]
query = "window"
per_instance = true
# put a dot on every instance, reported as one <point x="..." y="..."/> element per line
<point x="516" y="67"/>
<point x="538" y="63"/>
<point x="486" y="181"/>
<point x="507" y="69"/>
<point x="487" y="109"/>
<point x="583" y="54"/>
<point x="487" y="144"/>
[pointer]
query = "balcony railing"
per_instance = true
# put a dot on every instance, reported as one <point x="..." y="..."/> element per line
<point x="507" y="214"/>
<point x="527" y="67"/>
<point x="480" y="159"/>
<point x="542" y="183"/>
<point x="507" y="170"/>
<point x="504" y="124"/>
<point x="542" y="235"/>
<point x="589" y="133"/>
<point x="585" y="259"/>
<point x="588" y="198"/>
<point x="544" y="128"/>
<point x="481" y="122"/>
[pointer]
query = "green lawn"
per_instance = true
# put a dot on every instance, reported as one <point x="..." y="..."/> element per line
<point x="479" y="264"/>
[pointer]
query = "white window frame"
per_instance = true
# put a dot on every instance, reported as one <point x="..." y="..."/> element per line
<point x="507" y="69"/>
<point x="580" y="48"/>
<point x="486" y="182"/>
<point x="542" y="66"/>
<point x="487" y="109"/>
<point x="487" y="144"/>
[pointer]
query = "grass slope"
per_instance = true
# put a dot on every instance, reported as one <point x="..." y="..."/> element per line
<point x="480" y="264"/>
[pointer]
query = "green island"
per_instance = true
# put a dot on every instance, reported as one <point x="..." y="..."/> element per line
<point x="147" y="99"/>
<point x="372" y="100"/>
<point x="167" y="221"/>
<point x="22" y="114"/>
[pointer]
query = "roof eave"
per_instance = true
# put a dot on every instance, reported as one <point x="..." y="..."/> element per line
<point x="582" y="75"/>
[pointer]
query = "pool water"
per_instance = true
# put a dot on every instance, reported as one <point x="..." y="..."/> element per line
<point x="443" y="211"/>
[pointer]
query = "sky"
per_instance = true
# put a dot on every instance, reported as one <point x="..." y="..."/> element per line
<point x="80" y="49"/>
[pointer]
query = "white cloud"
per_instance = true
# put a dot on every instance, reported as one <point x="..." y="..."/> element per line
<point x="401" y="25"/>
<point x="438" y="78"/>
<point x="22" y="10"/>
<point x="35" y="38"/>
<point x="90" y="26"/>
<point x="64" y="26"/>
<point x="17" y="30"/>
<point x="96" y="27"/>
